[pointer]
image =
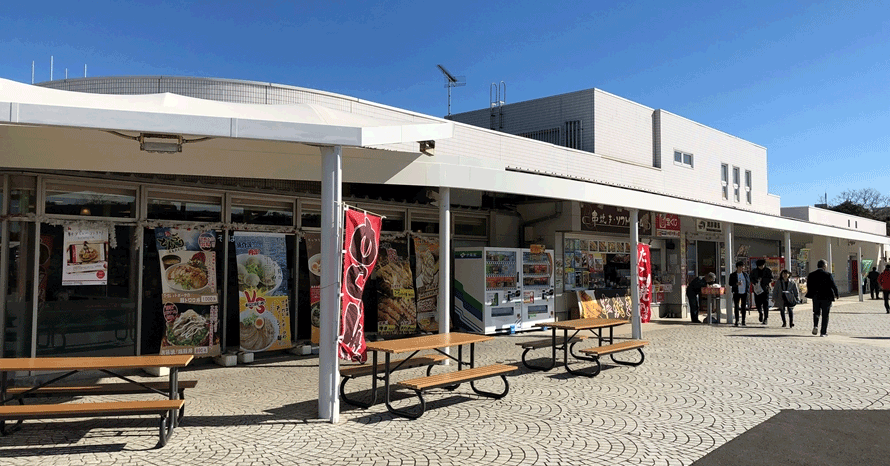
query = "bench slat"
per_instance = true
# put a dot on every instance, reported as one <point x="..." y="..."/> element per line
<point x="545" y="342"/>
<point x="108" y="408"/>
<point x="450" y="378"/>
<point x="100" y="389"/>
<point x="614" y="348"/>
<point x="368" y="369"/>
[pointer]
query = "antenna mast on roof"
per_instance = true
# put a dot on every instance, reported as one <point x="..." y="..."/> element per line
<point x="451" y="81"/>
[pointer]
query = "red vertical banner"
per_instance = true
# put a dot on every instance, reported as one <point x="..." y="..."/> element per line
<point x="361" y="238"/>
<point x="644" y="281"/>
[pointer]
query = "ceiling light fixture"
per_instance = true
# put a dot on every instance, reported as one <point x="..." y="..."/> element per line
<point x="159" y="143"/>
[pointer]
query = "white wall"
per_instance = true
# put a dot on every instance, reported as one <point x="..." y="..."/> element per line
<point x="836" y="219"/>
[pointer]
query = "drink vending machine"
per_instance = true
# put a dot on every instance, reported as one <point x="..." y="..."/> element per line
<point x="502" y="289"/>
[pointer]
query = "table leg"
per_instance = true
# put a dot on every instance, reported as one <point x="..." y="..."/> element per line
<point x="174" y="395"/>
<point x="565" y="347"/>
<point x="553" y="356"/>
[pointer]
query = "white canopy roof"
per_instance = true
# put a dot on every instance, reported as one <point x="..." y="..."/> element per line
<point x="175" y="114"/>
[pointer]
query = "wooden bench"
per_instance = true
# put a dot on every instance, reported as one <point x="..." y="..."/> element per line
<point x="165" y="408"/>
<point x="545" y="343"/>
<point x="595" y="352"/>
<point x="453" y="379"/>
<point x="359" y="370"/>
<point x="105" y="389"/>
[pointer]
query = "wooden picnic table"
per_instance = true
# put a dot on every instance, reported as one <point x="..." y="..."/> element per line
<point x="109" y="365"/>
<point x="566" y="343"/>
<point x="451" y="380"/>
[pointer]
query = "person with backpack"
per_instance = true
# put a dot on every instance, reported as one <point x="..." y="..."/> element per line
<point x="786" y="296"/>
<point x="761" y="277"/>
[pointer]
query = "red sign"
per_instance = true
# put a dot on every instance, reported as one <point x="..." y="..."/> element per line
<point x="361" y="237"/>
<point x="644" y="282"/>
<point x="667" y="225"/>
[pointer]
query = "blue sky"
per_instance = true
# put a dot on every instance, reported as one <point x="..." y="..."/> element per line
<point x="810" y="81"/>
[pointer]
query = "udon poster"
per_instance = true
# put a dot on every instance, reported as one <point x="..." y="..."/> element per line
<point x="313" y="250"/>
<point x="396" y="312"/>
<point x="264" y="319"/>
<point x="86" y="256"/>
<point x="427" y="282"/>
<point x="188" y="289"/>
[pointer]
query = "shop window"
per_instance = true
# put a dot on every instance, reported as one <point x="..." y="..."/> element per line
<point x="89" y="201"/>
<point x="262" y="212"/>
<point x="310" y="215"/>
<point x="724" y="180"/>
<point x="470" y="226"/>
<point x="22" y="195"/>
<point x="184" y="207"/>
<point x="87" y="292"/>
<point x="424" y="223"/>
<point x="19" y="291"/>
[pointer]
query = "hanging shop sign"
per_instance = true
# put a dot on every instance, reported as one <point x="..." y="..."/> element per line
<point x="604" y="218"/>
<point x="667" y="226"/>
<point x="644" y="281"/>
<point x="313" y="250"/>
<point x="86" y="256"/>
<point x="264" y="317"/>
<point x="427" y="282"/>
<point x="188" y="289"/>
<point x="396" y="311"/>
<point x="708" y="226"/>
<point x="361" y="238"/>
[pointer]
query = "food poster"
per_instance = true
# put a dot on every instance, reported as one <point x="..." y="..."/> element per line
<point x="86" y="256"/>
<point x="264" y="311"/>
<point x="396" y="311"/>
<point x="313" y="250"/>
<point x="426" y="280"/>
<point x="188" y="290"/>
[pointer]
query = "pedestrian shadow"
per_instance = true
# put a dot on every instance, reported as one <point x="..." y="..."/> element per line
<point x="769" y="335"/>
<point x="871" y="338"/>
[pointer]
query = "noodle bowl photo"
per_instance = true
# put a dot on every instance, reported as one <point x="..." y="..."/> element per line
<point x="257" y="332"/>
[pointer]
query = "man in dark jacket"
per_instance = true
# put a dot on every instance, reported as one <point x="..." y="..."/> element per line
<point x="693" y="297"/>
<point x="873" y="285"/>
<point x="822" y="290"/>
<point x="740" y="283"/>
<point x="884" y="283"/>
<point x="764" y="276"/>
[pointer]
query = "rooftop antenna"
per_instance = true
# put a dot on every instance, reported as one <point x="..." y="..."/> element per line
<point x="451" y="81"/>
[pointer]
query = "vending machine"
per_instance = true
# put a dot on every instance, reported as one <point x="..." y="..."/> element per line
<point x="487" y="292"/>
<point x="537" y="288"/>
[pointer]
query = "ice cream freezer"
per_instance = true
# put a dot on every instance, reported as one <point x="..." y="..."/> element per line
<point x="502" y="289"/>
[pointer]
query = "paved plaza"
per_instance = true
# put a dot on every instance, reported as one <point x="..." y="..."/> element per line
<point x="700" y="387"/>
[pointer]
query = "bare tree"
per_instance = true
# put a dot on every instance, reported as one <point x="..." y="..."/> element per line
<point x="869" y="198"/>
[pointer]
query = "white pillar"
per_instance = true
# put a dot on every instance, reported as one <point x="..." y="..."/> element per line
<point x="331" y="245"/>
<point x="444" y="261"/>
<point x="859" y="274"/>
<point x="828" y="255"/>
<point x="730" y="267"/>
<point x="635" y="320"/>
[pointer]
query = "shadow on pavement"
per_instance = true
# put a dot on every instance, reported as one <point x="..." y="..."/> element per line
<point x="810" y="438"/>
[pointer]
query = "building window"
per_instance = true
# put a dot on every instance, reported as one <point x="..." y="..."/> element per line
<point x="724" y="180"/>
<point x="748" y="185"/>
<point x="545" y="135"/>
<point x="183" y="206"/>
<point x="683" y="158"/>
<point x="736" y="175"/>
<point x="573" y="134"/>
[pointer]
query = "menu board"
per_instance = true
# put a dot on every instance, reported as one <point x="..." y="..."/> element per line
<point x="313" y="250"/>
<point x="264" y="317"/>
<point x="188" y="288"/>
<point x="427" y="282"/>
<point x="396" y="311"/>
<point x="595" y="263"/>
<point x="86" y="256"/>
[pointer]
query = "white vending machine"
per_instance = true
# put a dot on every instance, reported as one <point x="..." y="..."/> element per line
<point x="487" y="293"/>
<point x="537" y="288"/>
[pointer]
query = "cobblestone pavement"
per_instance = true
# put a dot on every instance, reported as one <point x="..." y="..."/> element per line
<point x="700" y="386"/>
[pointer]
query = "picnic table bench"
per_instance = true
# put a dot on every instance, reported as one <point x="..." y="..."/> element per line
<point x="450" y="380"/>
<point x="592" y="354"/>
<point x="350" y="372"/>
<point x="170" y="410"/>
<point x="546" y="343"/>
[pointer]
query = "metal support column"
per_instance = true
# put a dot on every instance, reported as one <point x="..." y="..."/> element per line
<point x="635" y="320"/>
<point x="329" y="322"/>
<point x="444" y="262"/>
<point x="730" y="268"/>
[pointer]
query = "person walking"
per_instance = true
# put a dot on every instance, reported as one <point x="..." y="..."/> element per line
<point x="739" y="283"/>
<point x="822" y="290"/>
<point x="873" y="287"/>
<point x="884" y="282"/>
<point x="786" y="296"/>
<point x="761" y="277"/>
